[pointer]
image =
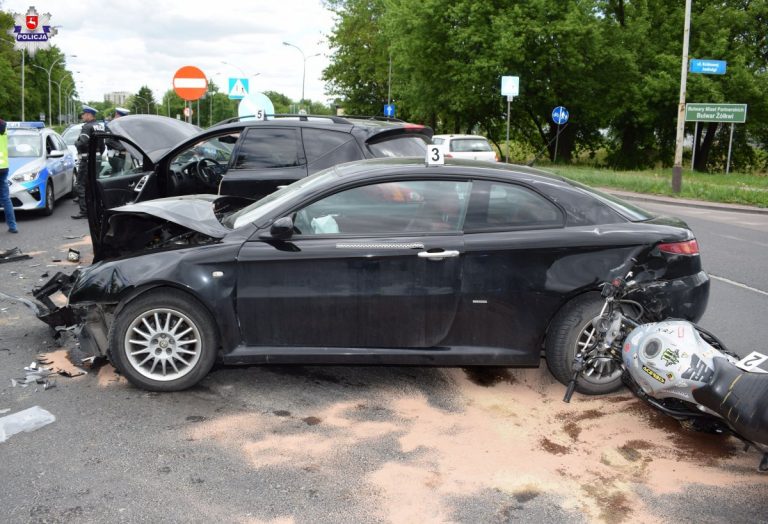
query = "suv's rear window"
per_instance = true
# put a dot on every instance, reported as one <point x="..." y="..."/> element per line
<point x="400" y="146"/>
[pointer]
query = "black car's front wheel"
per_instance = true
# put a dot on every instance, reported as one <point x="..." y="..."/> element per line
<point x="572" y="330"/>
<point x="164" y="340"/>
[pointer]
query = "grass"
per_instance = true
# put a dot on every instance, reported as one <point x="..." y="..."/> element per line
<point x="744" y="189"/>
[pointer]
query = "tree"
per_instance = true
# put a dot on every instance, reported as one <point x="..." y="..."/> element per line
<point x="595" y="57"/>
<point x="359" y="68"/>
<point x="142" y="102"/>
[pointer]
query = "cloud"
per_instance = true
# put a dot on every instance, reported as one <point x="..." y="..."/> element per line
<point x="122" y="46"/>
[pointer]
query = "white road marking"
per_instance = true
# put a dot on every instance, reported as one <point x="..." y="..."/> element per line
<point x="739" y="284"/>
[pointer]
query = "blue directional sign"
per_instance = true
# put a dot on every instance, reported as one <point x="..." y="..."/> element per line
<point x="708" y="67"/>
<point x="389" y="110"/>
<point x="560" y="115"/>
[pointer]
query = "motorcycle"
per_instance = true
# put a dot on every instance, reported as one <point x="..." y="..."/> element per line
<point x="678" y="367"/>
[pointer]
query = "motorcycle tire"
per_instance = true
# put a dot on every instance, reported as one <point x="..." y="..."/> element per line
<point x="570" y="329"/>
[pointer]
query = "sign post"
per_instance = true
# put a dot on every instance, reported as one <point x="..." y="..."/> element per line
<point x="559" y="116"/>
<point x="190" y="83"/>
<point x="721" y="113"/>
<point x="510" y="87"/>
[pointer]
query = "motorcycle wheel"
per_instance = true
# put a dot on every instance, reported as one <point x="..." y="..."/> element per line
<point x="571" y="329"/>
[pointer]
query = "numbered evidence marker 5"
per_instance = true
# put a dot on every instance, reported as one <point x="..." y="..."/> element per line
<point x="435" y="155"/>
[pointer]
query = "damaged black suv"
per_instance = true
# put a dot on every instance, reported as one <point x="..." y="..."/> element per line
<point x="148" y="156"/>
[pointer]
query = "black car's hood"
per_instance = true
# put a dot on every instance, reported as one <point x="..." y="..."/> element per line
<point x="195" y="212"/>
<point x="154" y="134"/>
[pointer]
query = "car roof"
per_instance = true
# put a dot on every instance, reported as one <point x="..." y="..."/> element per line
<point x="453" y="166"/>
<point x="369" y="125"/>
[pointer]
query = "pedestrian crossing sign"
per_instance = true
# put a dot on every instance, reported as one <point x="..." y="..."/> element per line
<point x="238" y="88"/>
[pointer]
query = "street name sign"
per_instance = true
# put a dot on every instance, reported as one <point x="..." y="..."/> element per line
<point x="708" y="67"/>
<point x="730" y="113"/>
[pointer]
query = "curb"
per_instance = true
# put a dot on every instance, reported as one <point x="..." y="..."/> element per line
<point x="639" y="197"/>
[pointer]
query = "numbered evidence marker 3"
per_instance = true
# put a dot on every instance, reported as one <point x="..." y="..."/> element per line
<point x="435" y="155"/>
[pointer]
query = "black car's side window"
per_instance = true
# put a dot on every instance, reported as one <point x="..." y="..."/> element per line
<point x="265" y="148"/>
<point x="496" y="205"/>
<point x="403" y="207"/>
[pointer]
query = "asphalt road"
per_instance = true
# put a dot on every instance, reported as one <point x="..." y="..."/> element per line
<point x="368" y="444"/>
<point x="734" y="251"/>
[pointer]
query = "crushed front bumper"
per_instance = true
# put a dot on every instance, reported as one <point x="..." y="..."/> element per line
<point x="88" y="321"/>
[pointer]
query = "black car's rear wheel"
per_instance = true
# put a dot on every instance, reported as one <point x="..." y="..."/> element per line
<point x="572" y="330"/>
<point x="163" y="341"/>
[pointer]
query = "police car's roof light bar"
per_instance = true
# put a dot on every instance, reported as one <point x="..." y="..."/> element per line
<point x="25" y="125"/>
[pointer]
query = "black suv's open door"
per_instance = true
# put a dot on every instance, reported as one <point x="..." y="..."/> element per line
<point x="111" y="184"/>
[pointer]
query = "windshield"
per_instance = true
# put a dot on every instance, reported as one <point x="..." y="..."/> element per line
<point x="24" y="145"/>
<point x="71" y="134"/>
<point x="470" y="145"/>
<point x="263" y="207"/>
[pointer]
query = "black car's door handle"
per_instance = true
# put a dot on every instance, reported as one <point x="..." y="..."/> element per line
<point x="438" y="255"/>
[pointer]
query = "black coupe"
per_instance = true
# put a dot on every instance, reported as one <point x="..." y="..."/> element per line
<point x="384" y="261"/>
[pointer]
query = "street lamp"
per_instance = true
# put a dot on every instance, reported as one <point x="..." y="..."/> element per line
<point x="23" y="66"/>
<point x="304" y="71"/>
<point x="145" y="101"/>
<point x="236" y="67"/>
<point x="70" y="104"/>
<point x="59" y="84"/>
<point x="49" y="71"/>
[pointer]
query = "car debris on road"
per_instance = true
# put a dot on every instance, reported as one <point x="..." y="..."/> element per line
<point x="24" y="421"/>
<point x="12" y="255"/>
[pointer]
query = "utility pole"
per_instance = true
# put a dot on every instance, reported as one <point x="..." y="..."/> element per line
<point x="677" y="169"/>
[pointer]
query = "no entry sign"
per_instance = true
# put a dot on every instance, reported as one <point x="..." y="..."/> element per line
<point x="190" y="83"/>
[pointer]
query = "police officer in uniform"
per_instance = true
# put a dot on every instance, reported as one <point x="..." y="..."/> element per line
<point x="116" y="150"/>
<point x="90" y="126"/>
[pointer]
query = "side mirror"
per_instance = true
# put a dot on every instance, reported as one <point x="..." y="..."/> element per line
<point x="56" y="153"/>
<point x="282" y="228"/>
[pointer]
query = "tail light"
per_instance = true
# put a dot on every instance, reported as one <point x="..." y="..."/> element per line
<point x="448" y="155"/>
<point x="689" y="247"/>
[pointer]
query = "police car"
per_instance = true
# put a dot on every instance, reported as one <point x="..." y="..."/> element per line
<point x="41" y="167"/>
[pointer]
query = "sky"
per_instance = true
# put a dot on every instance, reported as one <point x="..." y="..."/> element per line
<point x="120" y="46"/>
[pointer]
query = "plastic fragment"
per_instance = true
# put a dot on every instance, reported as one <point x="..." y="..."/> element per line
<point x="26" y="420"/>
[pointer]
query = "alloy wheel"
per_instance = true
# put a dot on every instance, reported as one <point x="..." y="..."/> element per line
<point x="163" y="344"/>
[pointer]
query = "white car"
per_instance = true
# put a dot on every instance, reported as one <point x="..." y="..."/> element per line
<point x="69" y="136"/>
<point x="472" y="147"/>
